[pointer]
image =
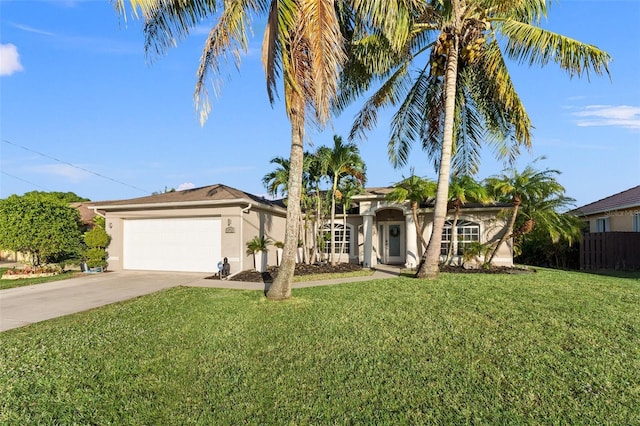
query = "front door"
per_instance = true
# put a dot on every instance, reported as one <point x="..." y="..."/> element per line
<point x="391" y="242"/>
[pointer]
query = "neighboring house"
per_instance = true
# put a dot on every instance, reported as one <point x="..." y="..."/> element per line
<point x="617" y="213"/>
<point x="613" y="237"/>
<point x="193" y="230"/>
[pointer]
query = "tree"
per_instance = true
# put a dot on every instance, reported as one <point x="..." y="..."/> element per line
<point x="40" y="225"/>
<point x="540" y="195"/>
<point x="416" y="190"/>
<point x="348" y="188"/>
<point x="343" y="160"/>
<point x="461" y="94"/>
<point x="463" y="189"/>
<point x="276" y="181"/>
<point x="97" y="241"/>
<point x="66" y="197"/>
<point x="302" y="44"/>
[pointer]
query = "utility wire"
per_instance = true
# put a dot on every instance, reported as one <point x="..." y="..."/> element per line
<point x="77" y="167"/>
<point x="25" y="181"/>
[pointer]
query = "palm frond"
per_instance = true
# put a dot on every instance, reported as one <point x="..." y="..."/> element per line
<point x="327" y="55"/>
<point x="536" y="46"/>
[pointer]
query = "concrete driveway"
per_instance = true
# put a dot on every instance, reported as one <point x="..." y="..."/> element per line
<point x="25" y="305"/>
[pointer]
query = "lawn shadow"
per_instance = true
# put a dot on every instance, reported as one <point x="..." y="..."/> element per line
<point x="614" y="273"/>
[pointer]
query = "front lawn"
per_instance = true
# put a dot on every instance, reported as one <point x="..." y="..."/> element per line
<point x="5" y="284"/>
<point x="546" y="348"/>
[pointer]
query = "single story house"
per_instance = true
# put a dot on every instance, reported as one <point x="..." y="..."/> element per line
<point x="612" y="240"/>
<point x="194" y="229"/>
<point x="616" y="213"/>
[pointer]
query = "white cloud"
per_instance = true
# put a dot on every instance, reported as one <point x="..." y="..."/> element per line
<point x="186" y="185"/>
<point x="625" y="116"/>
<point x="32" y="30"/>
<point x="72" y="173"/>
<point x="9" y="59"/>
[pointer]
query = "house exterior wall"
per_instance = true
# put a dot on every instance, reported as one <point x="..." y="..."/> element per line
<point x="237" y="228"/>
<point x="377" y="211"/>
<point x="619" y="220"/>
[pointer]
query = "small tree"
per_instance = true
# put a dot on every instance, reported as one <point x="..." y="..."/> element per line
<point x="258" y="244"/>
<point x="97" y="241"/>
<point x="40" y="225"/>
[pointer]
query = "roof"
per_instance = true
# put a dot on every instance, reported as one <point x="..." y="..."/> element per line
<point x="622" y="200"/>
<point x="378" y="193"/>
<point x="211" y="193"/>
<point x="86" y="212"/>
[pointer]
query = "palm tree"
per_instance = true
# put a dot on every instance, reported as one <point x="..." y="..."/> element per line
<point x="348" y="188"/>
<point x="275" y="182"/>
<point x="416" y="190"/>
<point x="340" y="161"/>
<point x="302" y="44"/>
<point x="461" y="93"/>
<point x="463" y="189"/>
<point x="538" y="190"/>
<point x="314" y="178"/>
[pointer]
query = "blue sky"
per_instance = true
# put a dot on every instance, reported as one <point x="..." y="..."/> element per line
<point x="83" y="110"/>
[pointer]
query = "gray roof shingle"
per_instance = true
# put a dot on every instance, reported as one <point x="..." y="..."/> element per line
<point x="625" y="199"/>
<point x="216" y="192"/>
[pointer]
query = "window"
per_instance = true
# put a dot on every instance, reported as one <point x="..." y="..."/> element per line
<point x="602" y="224"/>
<point x="636" y="222"/>
<point x="339" y="230"/>
<point x="466" y="233"/>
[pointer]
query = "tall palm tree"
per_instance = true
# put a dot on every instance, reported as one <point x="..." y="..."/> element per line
<point x="416" y="190"/>
<point x="302" y="44"/>
<point x="463" y="189"/>
<point x="315" y="176"/>
<point x="340" y="161"/>
<point x="461" y="94"/>
<point x="537" y="189"/>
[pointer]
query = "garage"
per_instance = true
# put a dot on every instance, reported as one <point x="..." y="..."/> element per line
<point x="172" y="244"/>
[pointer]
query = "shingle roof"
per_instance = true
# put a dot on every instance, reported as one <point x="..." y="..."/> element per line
<point x="216" y="192"/>
<point x="625" y="199"/>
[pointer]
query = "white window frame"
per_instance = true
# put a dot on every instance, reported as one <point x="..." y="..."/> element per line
<point x="464" y="228"/>
<point x="339" y="228"/>
<point x="602" y="224"/>
<point x="635" y="222"/>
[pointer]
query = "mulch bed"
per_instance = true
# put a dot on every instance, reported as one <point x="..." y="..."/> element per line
<point x="301" y="269"/>
<point x="326" y="268"/>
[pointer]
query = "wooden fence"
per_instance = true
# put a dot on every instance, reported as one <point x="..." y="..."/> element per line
<point x="610" y="250"/>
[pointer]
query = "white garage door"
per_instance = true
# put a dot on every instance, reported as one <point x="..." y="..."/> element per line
<point x="189" y="245"/>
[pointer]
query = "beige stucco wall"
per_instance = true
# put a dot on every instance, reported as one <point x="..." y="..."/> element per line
<point x="619" y="220"/>
<point x="238" y="227"/>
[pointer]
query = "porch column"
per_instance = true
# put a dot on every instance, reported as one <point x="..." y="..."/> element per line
<point x="411" y="242"/>
<point x="367" y="230"/>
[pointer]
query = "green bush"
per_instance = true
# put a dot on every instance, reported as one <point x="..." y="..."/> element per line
<point x="97" y="241"/>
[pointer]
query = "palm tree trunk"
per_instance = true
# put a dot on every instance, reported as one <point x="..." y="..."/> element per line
<point x="332" y="248"/>
<point x="344" y="232"/>
<point x="508" y="231"/>
<point x="414" y="212"/>
<point x="280" y="289"/>
<point x="429" y="268"/>
<point x="454" y="234"/>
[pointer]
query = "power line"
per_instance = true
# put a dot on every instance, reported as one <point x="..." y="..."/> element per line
<point x="74" y="166"/>
<point x="25" y="181"/>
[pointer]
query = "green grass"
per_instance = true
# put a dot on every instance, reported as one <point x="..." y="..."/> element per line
<point x="546" y="348"/>
<point x="332" y="276"/>
<point x="5" y="284"/>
